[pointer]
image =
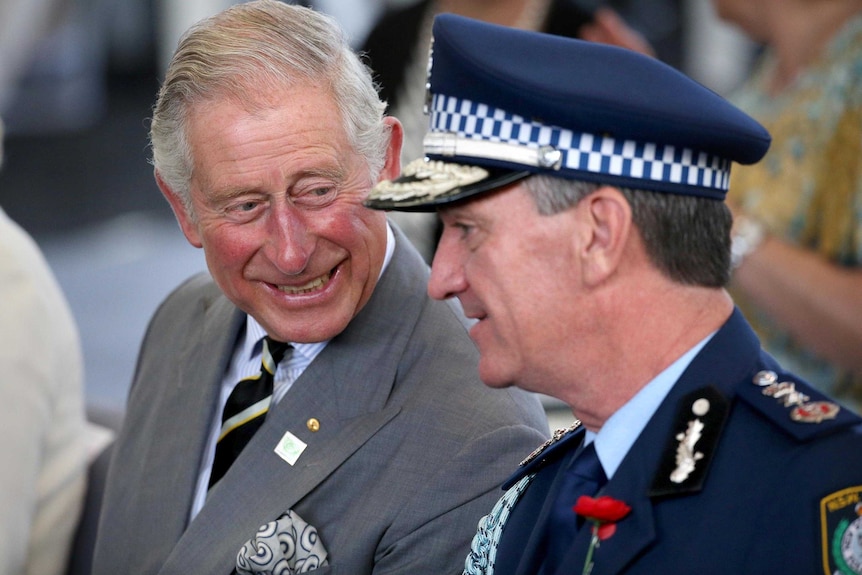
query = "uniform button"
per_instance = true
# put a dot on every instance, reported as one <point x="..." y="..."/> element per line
<point x="700" y="407"/>
<point x="313" y="424"/>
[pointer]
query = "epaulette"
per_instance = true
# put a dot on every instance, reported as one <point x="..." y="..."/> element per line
<point x="554" y="448"/>
<point x="795" y="406"/>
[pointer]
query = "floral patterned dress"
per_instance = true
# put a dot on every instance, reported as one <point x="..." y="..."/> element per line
<point x="808" y="188"/>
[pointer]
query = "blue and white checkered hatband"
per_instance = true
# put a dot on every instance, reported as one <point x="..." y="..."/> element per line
<point x="460" y="128"/>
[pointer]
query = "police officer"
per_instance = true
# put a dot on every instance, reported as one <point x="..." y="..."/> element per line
<point x="581" y="187"/>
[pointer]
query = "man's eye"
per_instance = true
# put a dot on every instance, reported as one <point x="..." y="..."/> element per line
<point x="463" y="229"/>
<point x="316" y="197"/>
<point x="243" y="211"/>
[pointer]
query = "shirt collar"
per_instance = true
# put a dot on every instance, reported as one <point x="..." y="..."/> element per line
<point x="622" y="429"/>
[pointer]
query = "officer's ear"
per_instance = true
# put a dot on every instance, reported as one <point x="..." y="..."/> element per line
<point x="606" y="224"/>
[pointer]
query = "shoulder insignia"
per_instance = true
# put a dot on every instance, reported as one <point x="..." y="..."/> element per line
<point x="545" y="452"/>
<point x="555" y="437"/>
<point x="688" y="452"/>
<point x="794" y="405"/>
<point x="841" y="531"/>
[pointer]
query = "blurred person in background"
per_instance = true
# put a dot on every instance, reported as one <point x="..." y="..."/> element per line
<point x="798" y="213"/>
<point x="43" y="449"/>
<point x="375" y="434"/>
<point x="23" y="23"/>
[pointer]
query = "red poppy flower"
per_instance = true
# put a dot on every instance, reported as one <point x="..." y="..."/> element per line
<point x="602" y="509"/>
<point x="603" y="512"/>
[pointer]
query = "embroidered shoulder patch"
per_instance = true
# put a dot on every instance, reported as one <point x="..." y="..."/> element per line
<point x="841" y="531"/>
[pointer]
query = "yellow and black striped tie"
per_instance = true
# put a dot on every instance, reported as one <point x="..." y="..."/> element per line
<point x="246" y="408"/>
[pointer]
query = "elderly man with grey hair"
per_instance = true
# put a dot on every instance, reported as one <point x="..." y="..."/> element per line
<point x="305" y="404"/>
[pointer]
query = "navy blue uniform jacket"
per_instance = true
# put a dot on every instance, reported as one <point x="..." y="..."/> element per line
<point x="769" y="495"/>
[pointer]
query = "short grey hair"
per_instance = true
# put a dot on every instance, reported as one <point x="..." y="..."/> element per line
<point x="248" y="49"/>
<point x="686" y="237"/>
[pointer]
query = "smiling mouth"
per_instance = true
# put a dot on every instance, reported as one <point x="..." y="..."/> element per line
<point x="311" y="286"/>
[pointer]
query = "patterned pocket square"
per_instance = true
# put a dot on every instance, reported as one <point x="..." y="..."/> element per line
<point x="285" y="546"/>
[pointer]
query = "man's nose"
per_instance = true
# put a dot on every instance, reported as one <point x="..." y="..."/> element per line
<point x="447" y="277"/>
<point x="291" y="240"/>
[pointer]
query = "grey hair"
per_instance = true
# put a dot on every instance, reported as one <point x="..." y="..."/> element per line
<point x="249" y="49"/>
<point x="686" y="237"/>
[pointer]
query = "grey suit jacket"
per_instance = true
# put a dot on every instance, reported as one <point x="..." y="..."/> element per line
<point x="411" y="450"/>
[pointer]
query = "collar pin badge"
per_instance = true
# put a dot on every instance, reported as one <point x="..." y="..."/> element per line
<point x="686" y="456"/>
<point x="290" y="447"/>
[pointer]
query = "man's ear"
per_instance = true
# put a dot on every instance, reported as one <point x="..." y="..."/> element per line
<point x="608" y="216"/>
<point x="392" y="167"/>
<point x="186" y="220"/>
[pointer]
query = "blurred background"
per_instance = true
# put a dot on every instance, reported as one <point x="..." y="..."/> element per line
<point x="77" y="80"/>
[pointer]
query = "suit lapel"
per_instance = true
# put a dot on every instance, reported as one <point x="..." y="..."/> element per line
<point x="260" y="485"/>
<point x="535" y="536"/>
<point x="267" y="488"/>
<point x="634" y="533"/>
<point x="184" y="420"/>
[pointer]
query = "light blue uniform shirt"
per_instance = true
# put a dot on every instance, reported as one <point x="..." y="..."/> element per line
<point x="622" y="429"/>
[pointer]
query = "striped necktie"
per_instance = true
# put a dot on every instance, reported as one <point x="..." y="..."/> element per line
<point x="246" y="408"/>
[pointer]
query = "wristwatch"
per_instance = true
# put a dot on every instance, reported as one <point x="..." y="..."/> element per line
<point x="746" y="236"/>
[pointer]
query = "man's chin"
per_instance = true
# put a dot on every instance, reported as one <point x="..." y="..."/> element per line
<point x="307" y="327"/>
<point x="494" y="379"/>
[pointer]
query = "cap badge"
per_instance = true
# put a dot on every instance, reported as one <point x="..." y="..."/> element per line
<point x="428" y="179"/>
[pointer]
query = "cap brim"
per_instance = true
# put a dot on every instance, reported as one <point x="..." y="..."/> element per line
<point x="426" y="185"/>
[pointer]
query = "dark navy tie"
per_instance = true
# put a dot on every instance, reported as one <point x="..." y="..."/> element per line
<point x="246" y="408"/>
<point x="585" y="476"/>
